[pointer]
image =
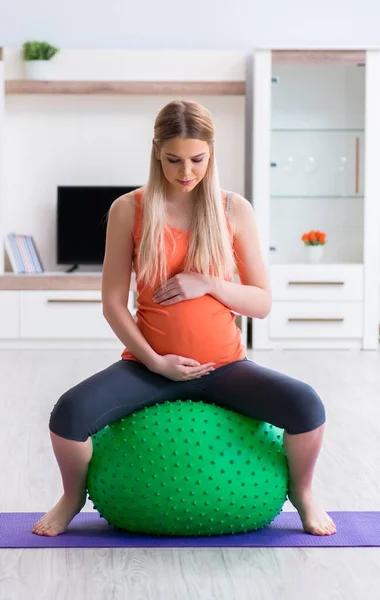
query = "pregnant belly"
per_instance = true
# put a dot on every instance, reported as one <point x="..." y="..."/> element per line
<point x="203" y="329"/>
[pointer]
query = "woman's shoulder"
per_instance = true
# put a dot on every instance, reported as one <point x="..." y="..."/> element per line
<point x="235" y="198"/>
<point x="126" y="203"/>
<point x="130" y="198"/>
<point x="124" y="207"/>
<point x="238" y="208"/>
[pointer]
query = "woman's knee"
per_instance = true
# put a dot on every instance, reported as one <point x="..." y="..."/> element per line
<point x="303" y="407"/>
<point x="66" y="418"/>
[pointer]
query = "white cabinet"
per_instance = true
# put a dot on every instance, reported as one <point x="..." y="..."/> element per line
<point x="316" y="320"/>
<point x="65" y="317"/>
<point x="335" y="283"/>
<point x="316" y="306"/>
<point x="62" y="315"/>
<point x="9" y="314"/>
<point x="316" y="139"/>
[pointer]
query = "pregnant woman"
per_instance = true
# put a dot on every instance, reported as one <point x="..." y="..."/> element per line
<point x="184" y="237"/>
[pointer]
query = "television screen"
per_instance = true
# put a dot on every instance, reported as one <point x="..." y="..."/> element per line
<point x="82" y="222"/>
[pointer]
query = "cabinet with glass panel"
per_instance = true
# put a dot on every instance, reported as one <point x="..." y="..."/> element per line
<point x="316" y="134"/>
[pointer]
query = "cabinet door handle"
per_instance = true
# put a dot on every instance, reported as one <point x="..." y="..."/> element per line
<point x="315" y="320"/>
<point x="357" y="164"/>
<point x="315" y="282"/>
<point x="73" y="300"/>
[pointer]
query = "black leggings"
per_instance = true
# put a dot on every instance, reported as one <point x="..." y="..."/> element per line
<point x="242" y="386"/>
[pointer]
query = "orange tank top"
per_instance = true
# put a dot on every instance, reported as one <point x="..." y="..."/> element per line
<point x="202" y="328"/>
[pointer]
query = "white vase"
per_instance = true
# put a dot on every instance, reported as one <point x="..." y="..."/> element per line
<point x="315" y="253"/>
<point x="37" y="69"/>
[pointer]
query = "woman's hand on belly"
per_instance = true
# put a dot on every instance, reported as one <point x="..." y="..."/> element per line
<point x="183" y="286"/>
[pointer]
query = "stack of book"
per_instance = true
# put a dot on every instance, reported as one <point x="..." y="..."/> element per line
<point x="22" y="254"/>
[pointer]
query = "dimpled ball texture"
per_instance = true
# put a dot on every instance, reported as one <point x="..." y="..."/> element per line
<point x="185" y="468"/>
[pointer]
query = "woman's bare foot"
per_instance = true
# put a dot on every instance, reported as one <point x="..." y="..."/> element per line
<point x="58" y="518"/>
<point x="314" y="519"/>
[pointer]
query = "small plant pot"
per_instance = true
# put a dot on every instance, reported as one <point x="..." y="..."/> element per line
<point x="315" y="253"/>
<point x="37" y="69"/>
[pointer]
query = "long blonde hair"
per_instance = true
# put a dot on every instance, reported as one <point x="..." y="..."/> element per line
<point x="210" y="250"/>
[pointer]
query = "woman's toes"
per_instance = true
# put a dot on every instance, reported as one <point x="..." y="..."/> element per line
<point x="37" y="525"/>
<point x="39" y="528"/>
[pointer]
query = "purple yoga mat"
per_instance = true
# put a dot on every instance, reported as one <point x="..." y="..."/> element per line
<point x="89" y="530"/>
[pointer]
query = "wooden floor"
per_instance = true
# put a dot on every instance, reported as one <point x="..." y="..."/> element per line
<point x="347" y="478"/>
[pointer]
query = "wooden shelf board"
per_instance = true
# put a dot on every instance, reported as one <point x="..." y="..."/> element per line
<point x="318" y="57"/>
<point x="217" y="88"/>
<point x="54" y="281"/>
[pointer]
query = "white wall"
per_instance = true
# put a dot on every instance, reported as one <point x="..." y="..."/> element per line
<point x="202" y="24"/>
<point x="59" y="140"/>
<point x="103" y="140"/>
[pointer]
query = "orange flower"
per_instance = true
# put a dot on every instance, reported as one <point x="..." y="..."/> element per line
<point x="314" y="238"/>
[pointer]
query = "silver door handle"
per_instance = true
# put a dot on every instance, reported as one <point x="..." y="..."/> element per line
<point x="315" y="320"/>
<point x="315" y="282"/>
<point x="73" y="301"/>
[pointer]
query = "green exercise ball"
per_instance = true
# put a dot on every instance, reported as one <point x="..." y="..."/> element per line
<point x="187" y="468"/>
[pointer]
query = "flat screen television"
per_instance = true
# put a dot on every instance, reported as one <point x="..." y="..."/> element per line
<point x="82" y="222"/>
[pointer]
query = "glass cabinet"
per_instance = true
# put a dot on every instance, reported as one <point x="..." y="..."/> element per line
<point x="315" y="168"/>
<point x="317" y="160"/>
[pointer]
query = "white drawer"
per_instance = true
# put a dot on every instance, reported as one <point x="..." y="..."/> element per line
<point x="63" y="315"/>
<point x="9" y="314"/>
<point x="316" y="320"/>
<point x="317" y="282"/>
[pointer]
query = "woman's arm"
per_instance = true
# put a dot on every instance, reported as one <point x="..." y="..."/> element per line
<point x="116" y="280"/>
<point x="252" y="297"/>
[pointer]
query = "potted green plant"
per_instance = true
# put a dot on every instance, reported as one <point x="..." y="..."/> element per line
<point x="37" y="59"/>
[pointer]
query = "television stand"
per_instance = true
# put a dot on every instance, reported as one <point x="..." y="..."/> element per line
<point x="73" y="268"/>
